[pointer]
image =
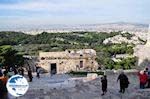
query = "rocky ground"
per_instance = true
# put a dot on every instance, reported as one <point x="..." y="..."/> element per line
<point x="66" y="87"/>
<point x="143" y="53"/>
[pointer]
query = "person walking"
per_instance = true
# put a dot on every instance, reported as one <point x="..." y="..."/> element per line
<point x="104" y="84"/>
<point x="38" y="72"/>
<point x="30" y="75"/>
<point x="15" y="69"/>
<point x="21" y="71"/>
<point x="143" y="77"/>
<point x="124" y="82"/>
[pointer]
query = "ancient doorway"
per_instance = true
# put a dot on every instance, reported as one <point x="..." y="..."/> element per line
<point x="81" y="64"/>
<point x="53" y="69"/>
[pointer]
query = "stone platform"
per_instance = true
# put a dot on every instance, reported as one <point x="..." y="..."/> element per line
<point x="79" y="89"/>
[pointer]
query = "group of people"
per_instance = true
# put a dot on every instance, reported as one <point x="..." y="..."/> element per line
<point x="38" y="70"/>
<point x="124" y="82"/>
<point x="20" y="70"/>
<point x="144" y="76"/>
<point x="6" y="73"/>
<point x="144" y="79"/>
<point x="13" y="71"/>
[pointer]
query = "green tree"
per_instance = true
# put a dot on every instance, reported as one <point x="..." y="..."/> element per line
<point x="9" y="56"/>
<point x="109" y="63"/>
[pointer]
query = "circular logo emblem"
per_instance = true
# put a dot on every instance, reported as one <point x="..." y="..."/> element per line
<point x="17" y="85"/>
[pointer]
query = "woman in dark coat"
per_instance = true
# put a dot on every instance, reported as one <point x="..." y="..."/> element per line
<point x="104" y="84"/>
<point x="124" y="82"/>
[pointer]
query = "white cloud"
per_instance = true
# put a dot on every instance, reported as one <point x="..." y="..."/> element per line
<point x="54" y="5"/>
<point x="73" y="11"/>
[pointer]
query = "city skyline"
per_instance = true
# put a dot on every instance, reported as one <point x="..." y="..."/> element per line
<point x="27" y="13"/>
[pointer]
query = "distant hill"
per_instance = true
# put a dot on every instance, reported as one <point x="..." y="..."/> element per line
<point x="135" y="24"/>
<point x="106" y="27"/>
<point x="16" y="38"/>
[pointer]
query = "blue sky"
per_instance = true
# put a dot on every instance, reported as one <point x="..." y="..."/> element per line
<point x="43" y="12"/>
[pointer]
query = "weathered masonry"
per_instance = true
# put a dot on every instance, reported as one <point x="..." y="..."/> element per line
<point x="69" y="60"/>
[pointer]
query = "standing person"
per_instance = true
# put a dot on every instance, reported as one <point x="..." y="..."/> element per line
<point x="124" y="82"/>
<point x="10" y="72"/>
<point x="30" y="75"/>
<point x="3" y="89"/>
<point x="38" y="72"/>
<point x="143" y="79"/>
<point x="21" y="71"/>
<point x="148" y="74"/>
<point x="104" y="84"/>
<point x="5" y="74"/>
<point x="5" y="79"/>
<point x="15" y="69"/>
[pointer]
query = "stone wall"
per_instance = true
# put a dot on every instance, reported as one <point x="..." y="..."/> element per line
<point x="67" y="61"/>
<point x="66" y="65"/>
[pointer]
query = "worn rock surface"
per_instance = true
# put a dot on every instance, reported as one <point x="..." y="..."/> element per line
<point x="77" y="89"/>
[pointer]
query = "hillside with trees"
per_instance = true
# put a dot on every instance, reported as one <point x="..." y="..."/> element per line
<point x="32" y="44"/>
